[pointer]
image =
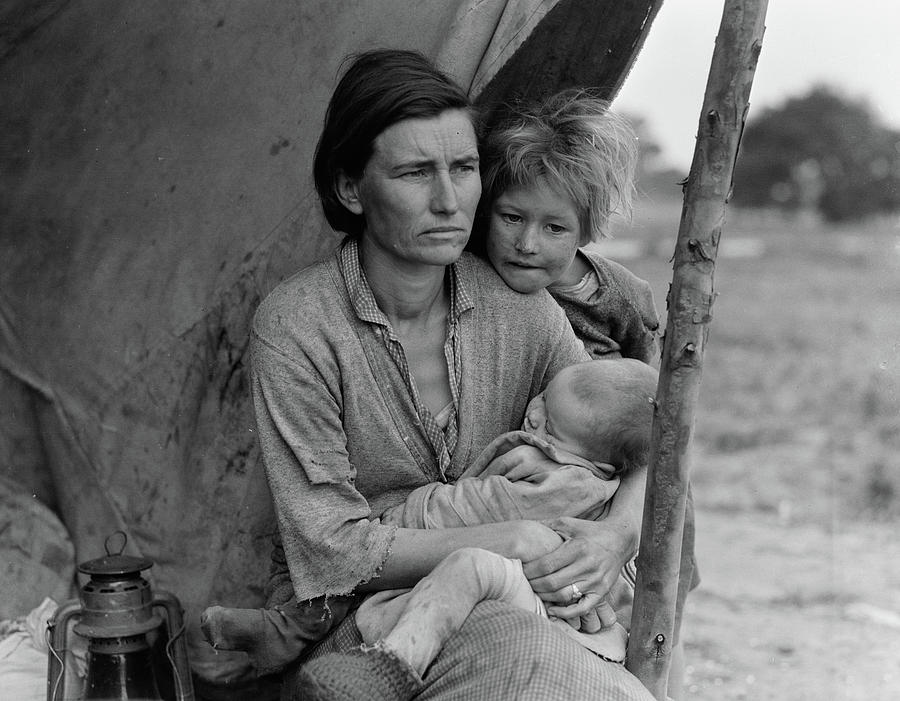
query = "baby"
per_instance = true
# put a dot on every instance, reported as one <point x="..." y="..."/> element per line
<point x="587" y="428"/>
<point x="590" y="425"/>
<point x="552" y="175"/>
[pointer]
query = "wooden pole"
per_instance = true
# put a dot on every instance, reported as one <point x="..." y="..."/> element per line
<point x="689" y="303"/>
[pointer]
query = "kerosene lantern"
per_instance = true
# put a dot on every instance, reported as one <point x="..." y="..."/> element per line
<point x="119" y="615"/>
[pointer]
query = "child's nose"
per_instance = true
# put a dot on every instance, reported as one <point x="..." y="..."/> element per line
<point x="527" y="240"/>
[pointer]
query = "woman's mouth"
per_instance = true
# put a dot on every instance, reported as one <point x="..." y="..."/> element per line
<point x="445" y="230"/>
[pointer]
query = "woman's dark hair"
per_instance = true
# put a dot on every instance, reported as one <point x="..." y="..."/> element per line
<point x="378" y="89"/>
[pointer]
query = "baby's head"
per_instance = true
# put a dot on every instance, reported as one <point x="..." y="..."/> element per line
<point x="601" y="410"/>
<point x="552" y="174"/>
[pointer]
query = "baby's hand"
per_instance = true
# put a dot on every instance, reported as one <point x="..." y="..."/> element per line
<point x="594" y="620"/>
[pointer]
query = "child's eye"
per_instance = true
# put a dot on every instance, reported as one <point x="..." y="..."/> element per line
<point x="510" y="218"/>
<point x="556" y="229"/>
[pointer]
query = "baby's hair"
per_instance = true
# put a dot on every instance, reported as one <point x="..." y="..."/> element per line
<point x="618" y="398"/>
<point x="577" y="144"/>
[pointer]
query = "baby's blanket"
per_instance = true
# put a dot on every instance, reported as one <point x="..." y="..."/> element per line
<point x="517" y="476"/>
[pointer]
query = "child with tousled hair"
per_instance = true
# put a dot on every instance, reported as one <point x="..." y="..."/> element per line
<point x="553" y="174"/>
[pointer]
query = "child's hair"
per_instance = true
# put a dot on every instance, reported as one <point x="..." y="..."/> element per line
<point x="618" y="397"/>
<point x="575" y="143"/>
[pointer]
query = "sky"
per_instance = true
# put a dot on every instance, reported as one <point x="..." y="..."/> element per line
<point x="851" y="46"/>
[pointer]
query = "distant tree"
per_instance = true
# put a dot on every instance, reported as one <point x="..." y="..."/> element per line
<point x="649" y="151"/>
<point x="654" y="176"/>
<point x="820" y="151"/>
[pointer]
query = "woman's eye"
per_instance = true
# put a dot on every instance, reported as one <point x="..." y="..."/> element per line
<point x="556" y="228"/>
<point x="466" y="169"/>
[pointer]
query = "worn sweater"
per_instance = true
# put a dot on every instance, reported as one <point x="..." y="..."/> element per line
<point x="340" y="437"/>
<point x="617" y="317"/>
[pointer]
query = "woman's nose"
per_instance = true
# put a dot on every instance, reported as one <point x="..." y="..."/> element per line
<point x="443" y="196"/>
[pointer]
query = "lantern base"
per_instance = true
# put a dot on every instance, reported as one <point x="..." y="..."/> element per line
<point x="120" y="669"/>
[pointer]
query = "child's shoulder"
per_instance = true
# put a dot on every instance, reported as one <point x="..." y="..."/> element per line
<point x="611" y="272"/>
<point x="620" y="290"/>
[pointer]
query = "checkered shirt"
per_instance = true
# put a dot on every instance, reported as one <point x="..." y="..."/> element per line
<point x="443" y="442"/>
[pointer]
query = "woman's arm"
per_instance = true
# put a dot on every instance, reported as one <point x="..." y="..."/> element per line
<point x="414" y="553"/>
<point x="592" y="553"/>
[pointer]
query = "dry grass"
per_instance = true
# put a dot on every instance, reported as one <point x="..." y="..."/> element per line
<point x="800" y="396"/>
<point x="796" y="460"/>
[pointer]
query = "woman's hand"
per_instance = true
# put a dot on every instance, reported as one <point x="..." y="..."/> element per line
<point x="591" y="556"/>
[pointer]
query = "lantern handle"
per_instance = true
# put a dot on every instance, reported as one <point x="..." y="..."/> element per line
<point x="106" y="543"/>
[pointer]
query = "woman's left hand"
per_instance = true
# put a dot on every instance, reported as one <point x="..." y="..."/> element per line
<point x="591" y="556"/>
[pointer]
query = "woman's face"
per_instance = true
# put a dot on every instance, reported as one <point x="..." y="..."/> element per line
<point x="533" y="236"/>
<point x="419" y="190"/>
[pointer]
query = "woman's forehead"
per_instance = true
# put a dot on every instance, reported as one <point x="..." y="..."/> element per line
<point x="449" y="135"/>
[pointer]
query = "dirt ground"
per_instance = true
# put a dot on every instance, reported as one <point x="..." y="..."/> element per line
<point x="793" y="611"/>
<point x="796" y="458"/>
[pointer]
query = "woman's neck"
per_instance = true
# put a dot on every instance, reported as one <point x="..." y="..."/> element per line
<point x="405" y="293"/>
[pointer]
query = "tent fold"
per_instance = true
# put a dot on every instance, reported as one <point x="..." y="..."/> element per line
<point x="156" y="184"/>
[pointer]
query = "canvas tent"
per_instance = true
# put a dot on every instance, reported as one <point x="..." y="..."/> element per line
<point x="156" y="185"/>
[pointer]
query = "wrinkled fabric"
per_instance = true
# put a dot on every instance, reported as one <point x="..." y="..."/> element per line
<point x="442" y="433"/>
<point x="440" y="602"/>
<point x="361" y="674"/>
<point x="157" y="185"/>
<point x="518" y="476"/>
<point x="340" y="435"/>
<point x="617" y="316"/>
<point x="505" y="653"/>
<point x="521" y="476"/>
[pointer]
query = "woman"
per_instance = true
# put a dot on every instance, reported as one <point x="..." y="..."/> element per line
<point x="392" y="365"/>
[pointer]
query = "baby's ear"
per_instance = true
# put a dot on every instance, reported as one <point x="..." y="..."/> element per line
<point x="348" y="193"/>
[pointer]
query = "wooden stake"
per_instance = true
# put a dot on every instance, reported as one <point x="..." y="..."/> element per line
<point x="689" y="302"/>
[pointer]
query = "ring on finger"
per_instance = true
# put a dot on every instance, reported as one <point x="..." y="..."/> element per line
<point x="577" y="594"/>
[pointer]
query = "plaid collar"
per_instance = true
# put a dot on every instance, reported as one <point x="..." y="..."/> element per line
<point x="443" y="441"/>
<point x="363" y="299"/>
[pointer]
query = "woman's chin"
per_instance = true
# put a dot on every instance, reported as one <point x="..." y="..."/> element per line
<point x="439" y="253"/>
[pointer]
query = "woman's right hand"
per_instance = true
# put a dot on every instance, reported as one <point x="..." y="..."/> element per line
<point x="592" y="557"/>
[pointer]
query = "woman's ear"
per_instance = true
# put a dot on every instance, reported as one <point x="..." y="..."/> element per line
<point x="348" y="193"/>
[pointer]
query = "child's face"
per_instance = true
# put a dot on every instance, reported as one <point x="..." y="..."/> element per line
<point x="555" y="415"/>
<point x="533" y="236"/>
